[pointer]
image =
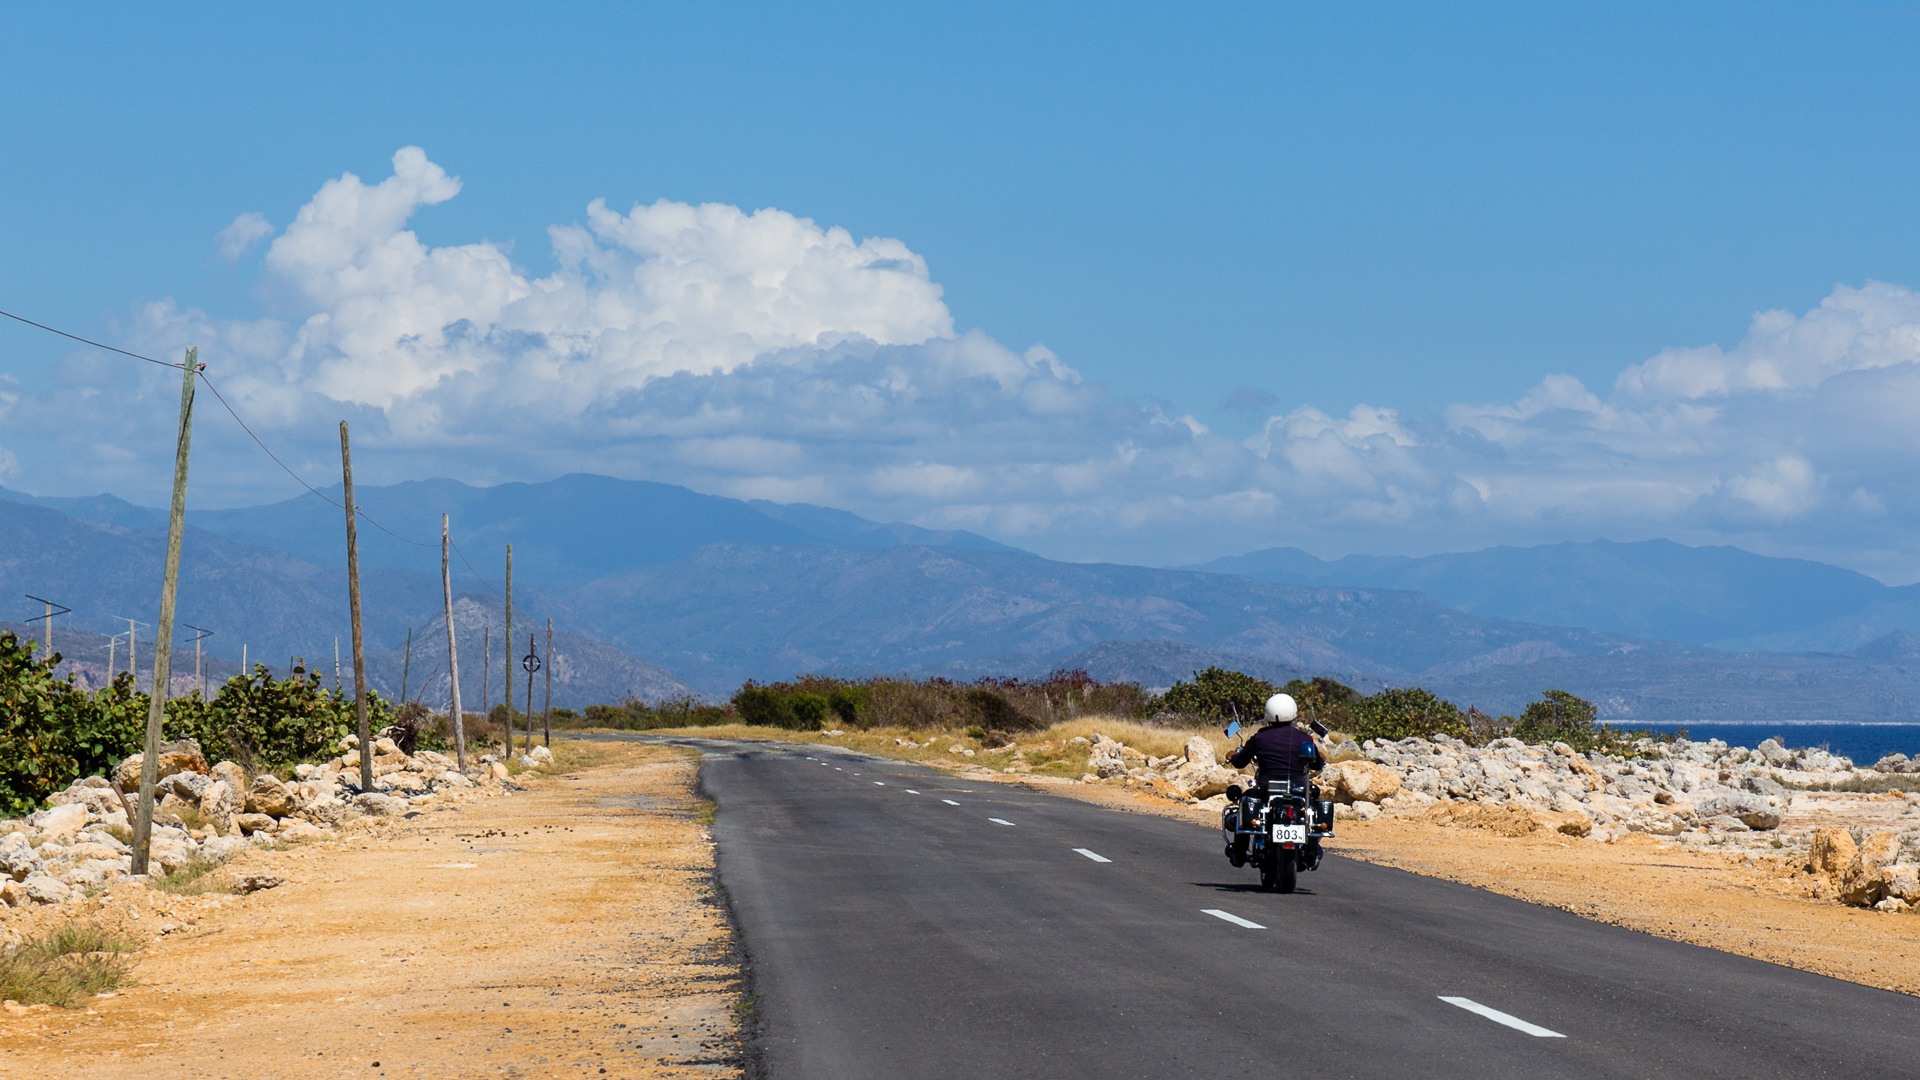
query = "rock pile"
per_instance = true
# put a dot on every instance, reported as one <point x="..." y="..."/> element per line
<point x="1666" y="790"/>
<point x="1872" y="873"/>
<point x="79" y="843"/>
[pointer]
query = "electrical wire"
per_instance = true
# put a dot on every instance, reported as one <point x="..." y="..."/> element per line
<point x="85" y="341"/>
<point x="471" y="570"/>
<point x="358" y="512"/>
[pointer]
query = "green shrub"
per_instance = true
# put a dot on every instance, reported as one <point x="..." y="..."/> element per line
<point x="764" y="706"/>
<point x="264" y="723"/>
<point x="1219" y="695"/>
<point x="1326" y="700"/>
<point x="1404" y="713"/>
<point x="51" y="732"/>
<point x="809" y="710"/>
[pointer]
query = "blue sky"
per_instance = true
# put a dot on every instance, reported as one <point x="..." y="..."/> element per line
<point x="1226" y="215"/>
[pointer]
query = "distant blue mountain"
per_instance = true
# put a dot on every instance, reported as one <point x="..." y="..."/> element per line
<point x="569" y="531"/>
<point x="1718" y="596"/>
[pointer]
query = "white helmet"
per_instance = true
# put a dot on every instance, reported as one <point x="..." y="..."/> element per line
<point x="1281" y="709"/>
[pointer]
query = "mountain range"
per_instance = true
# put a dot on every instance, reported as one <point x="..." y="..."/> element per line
<point x="656" y="591"/>
<point x="1720" y="597"/>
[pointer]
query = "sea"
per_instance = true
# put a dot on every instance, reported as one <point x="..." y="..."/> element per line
<point x="1864" y="743"/>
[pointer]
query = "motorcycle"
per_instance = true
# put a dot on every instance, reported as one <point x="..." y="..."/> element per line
<point x="1278" y="828"/>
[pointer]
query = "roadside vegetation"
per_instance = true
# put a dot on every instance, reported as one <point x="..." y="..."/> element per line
<point x="52" y="732"/>
<point x="1039" y="719"/>
<point x="65" y="966"/>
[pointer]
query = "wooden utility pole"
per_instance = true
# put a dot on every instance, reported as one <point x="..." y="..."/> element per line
<point x="453" y="645"/>
<point x="353" y="610"/>
<point x="406" y="667"/>
<point x="157" y="703"/>
<point x="506" y="655"/>
<point x="546" y="706"/>
<point x="486" y="675"/>
<point x="532" y="664"/>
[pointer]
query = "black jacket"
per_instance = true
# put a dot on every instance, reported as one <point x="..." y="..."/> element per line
<point x="1283" y="751"/>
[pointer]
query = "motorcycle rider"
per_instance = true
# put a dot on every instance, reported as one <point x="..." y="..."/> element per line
<point x="1285" y="754"/>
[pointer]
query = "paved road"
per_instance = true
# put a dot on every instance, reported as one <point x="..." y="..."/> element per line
<point x="895" y="929"/>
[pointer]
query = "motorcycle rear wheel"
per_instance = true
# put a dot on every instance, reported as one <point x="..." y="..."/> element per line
<point x="1278" y="870"/>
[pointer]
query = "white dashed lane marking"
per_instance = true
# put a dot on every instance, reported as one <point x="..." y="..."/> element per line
<point x="910" y="791"/>
<point x="1095" y="856"/>
<point x="999" y="821"/>
<point x="876" y="783"/>
<point x="949" y="802"/>
<point x="1499" y="1017"/>
<point x="1232" y="918"/>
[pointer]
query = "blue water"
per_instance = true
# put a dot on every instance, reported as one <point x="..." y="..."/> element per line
<point x="1864" y="743"/>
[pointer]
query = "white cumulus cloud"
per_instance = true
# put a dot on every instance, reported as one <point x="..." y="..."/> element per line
<point x="764" y="355"/>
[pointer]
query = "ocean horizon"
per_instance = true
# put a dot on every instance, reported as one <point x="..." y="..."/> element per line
<point x="1864" y="743"/>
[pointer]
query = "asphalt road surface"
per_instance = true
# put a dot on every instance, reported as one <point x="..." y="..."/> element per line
<point x="902" y="923"/>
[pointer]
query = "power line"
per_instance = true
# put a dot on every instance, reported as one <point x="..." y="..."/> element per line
<point x="86" y="341"/>
<point x="471" y="570"/>
<point x="236" y="419"/>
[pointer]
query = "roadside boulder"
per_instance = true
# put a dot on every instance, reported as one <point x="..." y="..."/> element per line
<point x="1359" y="781"/>
<point x="1773" y="753"/>
<point x="1107" y="759"/>
<point x="187" y="786"/>
<point x="1863" y="885"/>
<point x="269" y="796"/>
<point x="217" y="807"/>
<point x="234" y="775"/>
<point x="255" y="823"/>
<point x="94" y="792"/>
<point x="1901" y="881"/>
<point x="45" y="889"/>
<point x="174" y="757"/>
<point x="59" y="821"/>
<point x="18" y="859"/>
<point x="1197" y="781"/>
<point x="1831" y="852"/>
<point x="1752" y="810"/>
<point x="1200" y="751"/>
<point x="374" y="804"/>
<point x="296" y="830"/>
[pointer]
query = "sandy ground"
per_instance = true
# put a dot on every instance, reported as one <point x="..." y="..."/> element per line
<point x="571" y="930"/>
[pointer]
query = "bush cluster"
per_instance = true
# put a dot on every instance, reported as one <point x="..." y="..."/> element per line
<point x="52" y="732"/>
<point x="636" y="715"/>
<point x="995" y="708"/>
<point x="262" y="722"/>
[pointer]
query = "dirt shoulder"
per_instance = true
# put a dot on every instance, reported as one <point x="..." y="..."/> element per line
<point x="568" y="930"/>
<point x="1752" y="900"/>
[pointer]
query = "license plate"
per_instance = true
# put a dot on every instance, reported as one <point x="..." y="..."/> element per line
<point x="1289" y="834"/>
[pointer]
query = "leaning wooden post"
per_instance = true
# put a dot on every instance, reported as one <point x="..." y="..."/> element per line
<point x="506" y="657"/>
<point x="163" y="650"/>
<point x="546" y="707"/>
<point x="453" y="646"/>
<point x="532" y="660"/>
<point x="353" y="610"/>
<point x="406" y="667"/>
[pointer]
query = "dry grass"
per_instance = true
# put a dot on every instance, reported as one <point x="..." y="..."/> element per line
<point x="191" y="879"/>
<point x="64" y="967"/>
<point x="1051" y="752"/>
<point x="1879" y="784"/>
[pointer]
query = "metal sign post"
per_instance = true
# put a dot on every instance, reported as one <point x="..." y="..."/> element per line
<point x="530" y="662"/>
